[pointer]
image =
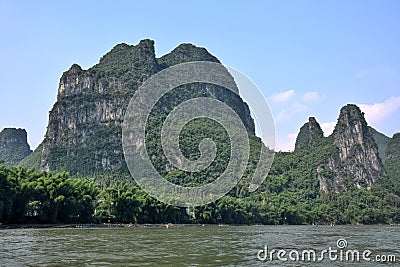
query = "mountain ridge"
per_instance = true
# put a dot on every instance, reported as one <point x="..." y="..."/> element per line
<point x="84" y="130"/>
<point x="354" y="155"/>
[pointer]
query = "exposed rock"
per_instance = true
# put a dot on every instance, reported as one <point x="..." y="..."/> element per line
<point x="310" y="134"/>
<point x="355" y="159"/>
<point x="84" y="131"/>
<point x="13" y="146"/>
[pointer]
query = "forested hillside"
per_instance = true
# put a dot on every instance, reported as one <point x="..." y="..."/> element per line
<point x="78" y="173"/>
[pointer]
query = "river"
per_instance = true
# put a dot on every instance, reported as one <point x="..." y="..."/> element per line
<point x="202" y="246"/>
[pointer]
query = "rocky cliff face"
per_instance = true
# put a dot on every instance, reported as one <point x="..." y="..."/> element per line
<point x="355" y="158"/>
<point x="310" y="134"/>
<point x="13" y="146"/>
<point x="84" y="130"/>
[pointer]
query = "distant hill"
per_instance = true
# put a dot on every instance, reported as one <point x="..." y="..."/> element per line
<point x="382" y="141"/>
<point x="392" y="163"/>
<point x="13" y="146"/>
<point x="310" y="134"/>
<point x="351" y="153"/>
<point x="33" y="159"/>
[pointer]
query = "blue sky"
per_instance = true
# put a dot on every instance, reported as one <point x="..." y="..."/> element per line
<point x="309" y="58"/>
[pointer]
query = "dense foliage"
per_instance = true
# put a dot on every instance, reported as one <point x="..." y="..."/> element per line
<point x="392" y="164"/>
<point x="289" y="195"/>
<point x="29" y="196"/>
<point x="33" y="159"/>
<point x="381" y="141"/>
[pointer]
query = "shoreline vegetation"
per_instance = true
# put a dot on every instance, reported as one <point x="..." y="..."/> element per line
<point x="158" y="225"/>
<point x="43" y="199"/>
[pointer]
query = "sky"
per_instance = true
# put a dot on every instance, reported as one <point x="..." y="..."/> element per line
<point x="309" y="58"/>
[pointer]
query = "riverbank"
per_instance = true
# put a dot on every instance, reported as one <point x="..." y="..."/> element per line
<point x="124" y="225"/>
<point x="98" y="225"/>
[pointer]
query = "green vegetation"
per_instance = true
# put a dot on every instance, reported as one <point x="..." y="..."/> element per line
<point x="185" y="53"/>
<point x="31" y="197"/>
<point x="84" y="139"/>
<point x="27" y="196"/>
<point x="13" y="146"/>
<point x="289" y="195"/>
<point x="392" y="164"/>
<point x="381" y="141"/>
<point x="84" y="131"/>
<point x="33" y="159"/>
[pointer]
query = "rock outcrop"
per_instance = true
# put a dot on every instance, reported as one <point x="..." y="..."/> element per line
<point x="13" y="146"/>
<point x="354" y="158"/>
<point x="310" y="134"/>
<point x="84" y="131"/>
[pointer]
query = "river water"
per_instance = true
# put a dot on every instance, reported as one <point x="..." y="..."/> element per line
<point x="202" y="246"/>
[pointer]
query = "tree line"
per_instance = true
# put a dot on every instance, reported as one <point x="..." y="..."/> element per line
<point x="28" y="196"/>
